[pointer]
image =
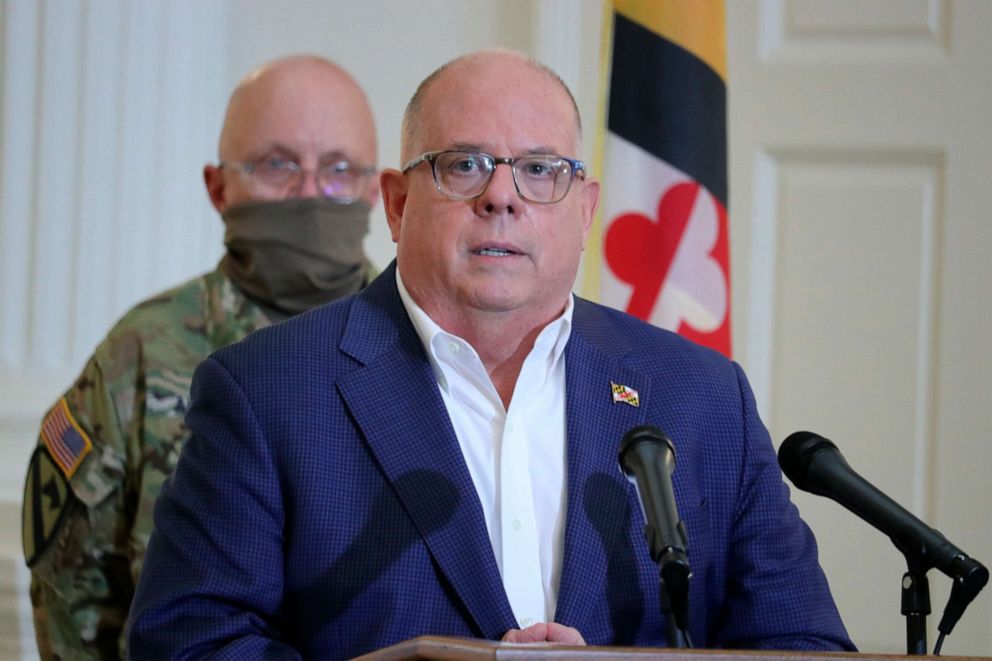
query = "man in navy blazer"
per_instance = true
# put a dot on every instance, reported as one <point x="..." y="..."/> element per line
<point x="438" y="454"/>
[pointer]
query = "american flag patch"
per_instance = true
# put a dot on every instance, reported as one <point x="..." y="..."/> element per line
<point x="624" y="394"/>
<point x="65" y="440"/>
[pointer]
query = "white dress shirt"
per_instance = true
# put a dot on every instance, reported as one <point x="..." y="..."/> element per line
<point x="516" y="457"/>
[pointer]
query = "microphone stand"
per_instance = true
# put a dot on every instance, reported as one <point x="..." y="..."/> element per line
<point x="673" y="579"/>
<point x="969" y="577"/>
<point x="916" y="607"/>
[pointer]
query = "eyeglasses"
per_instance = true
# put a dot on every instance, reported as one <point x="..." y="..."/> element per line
<point x="465" y="175"/>
<point x="341" y="181"/>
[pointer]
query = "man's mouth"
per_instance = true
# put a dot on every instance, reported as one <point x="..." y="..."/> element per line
<point x="494" y="252"/>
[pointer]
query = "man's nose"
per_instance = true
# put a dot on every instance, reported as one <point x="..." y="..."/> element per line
<point x="501" y="194"/>
<point x="307" y="186"/>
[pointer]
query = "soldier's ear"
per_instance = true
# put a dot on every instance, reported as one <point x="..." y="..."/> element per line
<point x="213" y="177"/>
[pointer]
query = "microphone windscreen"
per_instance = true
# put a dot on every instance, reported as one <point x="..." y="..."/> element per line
<point x="796" y="452"/>
<point x="658" y="442"/>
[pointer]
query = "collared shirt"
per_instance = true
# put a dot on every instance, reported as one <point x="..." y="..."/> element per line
<point x="516" y="456"/>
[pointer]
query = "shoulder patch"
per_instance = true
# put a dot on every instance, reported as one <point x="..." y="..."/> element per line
<point x="64" y="438"/>
<point x="47" y="498"/>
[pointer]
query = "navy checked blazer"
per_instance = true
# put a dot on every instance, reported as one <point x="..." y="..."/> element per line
<point x="322" y="508"/>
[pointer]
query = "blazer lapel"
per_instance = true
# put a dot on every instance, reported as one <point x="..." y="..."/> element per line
<point x="395" y="402"/>
<point x="598" y="507"/>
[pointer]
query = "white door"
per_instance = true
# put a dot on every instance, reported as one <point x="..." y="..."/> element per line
<point x="861" y="183"/>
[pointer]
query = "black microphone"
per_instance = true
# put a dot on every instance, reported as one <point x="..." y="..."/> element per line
<point x="647" y="458"/>
<point x="815" y="464"/>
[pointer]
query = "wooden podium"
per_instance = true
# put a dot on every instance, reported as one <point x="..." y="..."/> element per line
<point x="440" y="648"/>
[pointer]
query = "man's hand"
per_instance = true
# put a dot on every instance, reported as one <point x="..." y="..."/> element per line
<point x="550" y="632"/>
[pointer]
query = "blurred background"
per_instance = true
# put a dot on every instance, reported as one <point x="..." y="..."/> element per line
<point x="859" y="196"/>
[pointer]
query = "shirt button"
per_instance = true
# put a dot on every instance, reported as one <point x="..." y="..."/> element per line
<point x="517" y="525"/>
<point x="526" y="622"/>
<point x="509" y="428"/>
<point x="453" y="347"/>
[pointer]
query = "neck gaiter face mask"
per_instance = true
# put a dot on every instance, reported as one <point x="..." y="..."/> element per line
<point x="293" y="255"/>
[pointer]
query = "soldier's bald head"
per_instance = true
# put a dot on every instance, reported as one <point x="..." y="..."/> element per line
<point x="302" y="99"/>
<point x="303" y="109"/>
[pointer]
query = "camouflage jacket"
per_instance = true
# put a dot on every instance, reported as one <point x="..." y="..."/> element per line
<point x="103" y="453"/>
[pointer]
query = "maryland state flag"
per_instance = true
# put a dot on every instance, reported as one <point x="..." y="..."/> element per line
<point x="665" y="243"/>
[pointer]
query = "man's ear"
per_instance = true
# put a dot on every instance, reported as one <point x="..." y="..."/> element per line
<point x="393" y="186"/>
<point x="589" y="204"/>
<point x="213" y="177"/>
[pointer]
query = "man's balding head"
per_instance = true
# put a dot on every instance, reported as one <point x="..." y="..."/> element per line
<point x="465" y="65"/>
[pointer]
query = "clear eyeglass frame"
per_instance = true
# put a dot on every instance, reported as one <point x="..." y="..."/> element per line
<point x="341" y="181"/>
<point x="475" y="188"/>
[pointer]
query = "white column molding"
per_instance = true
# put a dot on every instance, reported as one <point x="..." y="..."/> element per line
<point x="108" y="111"/>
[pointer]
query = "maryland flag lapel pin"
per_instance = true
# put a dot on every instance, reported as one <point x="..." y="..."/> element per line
<point x="625" y="394"/>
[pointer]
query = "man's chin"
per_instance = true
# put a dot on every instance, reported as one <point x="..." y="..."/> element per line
<point x="495" y="302"/>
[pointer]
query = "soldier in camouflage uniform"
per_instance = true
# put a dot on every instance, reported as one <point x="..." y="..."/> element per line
<point x="294" y="187"/>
